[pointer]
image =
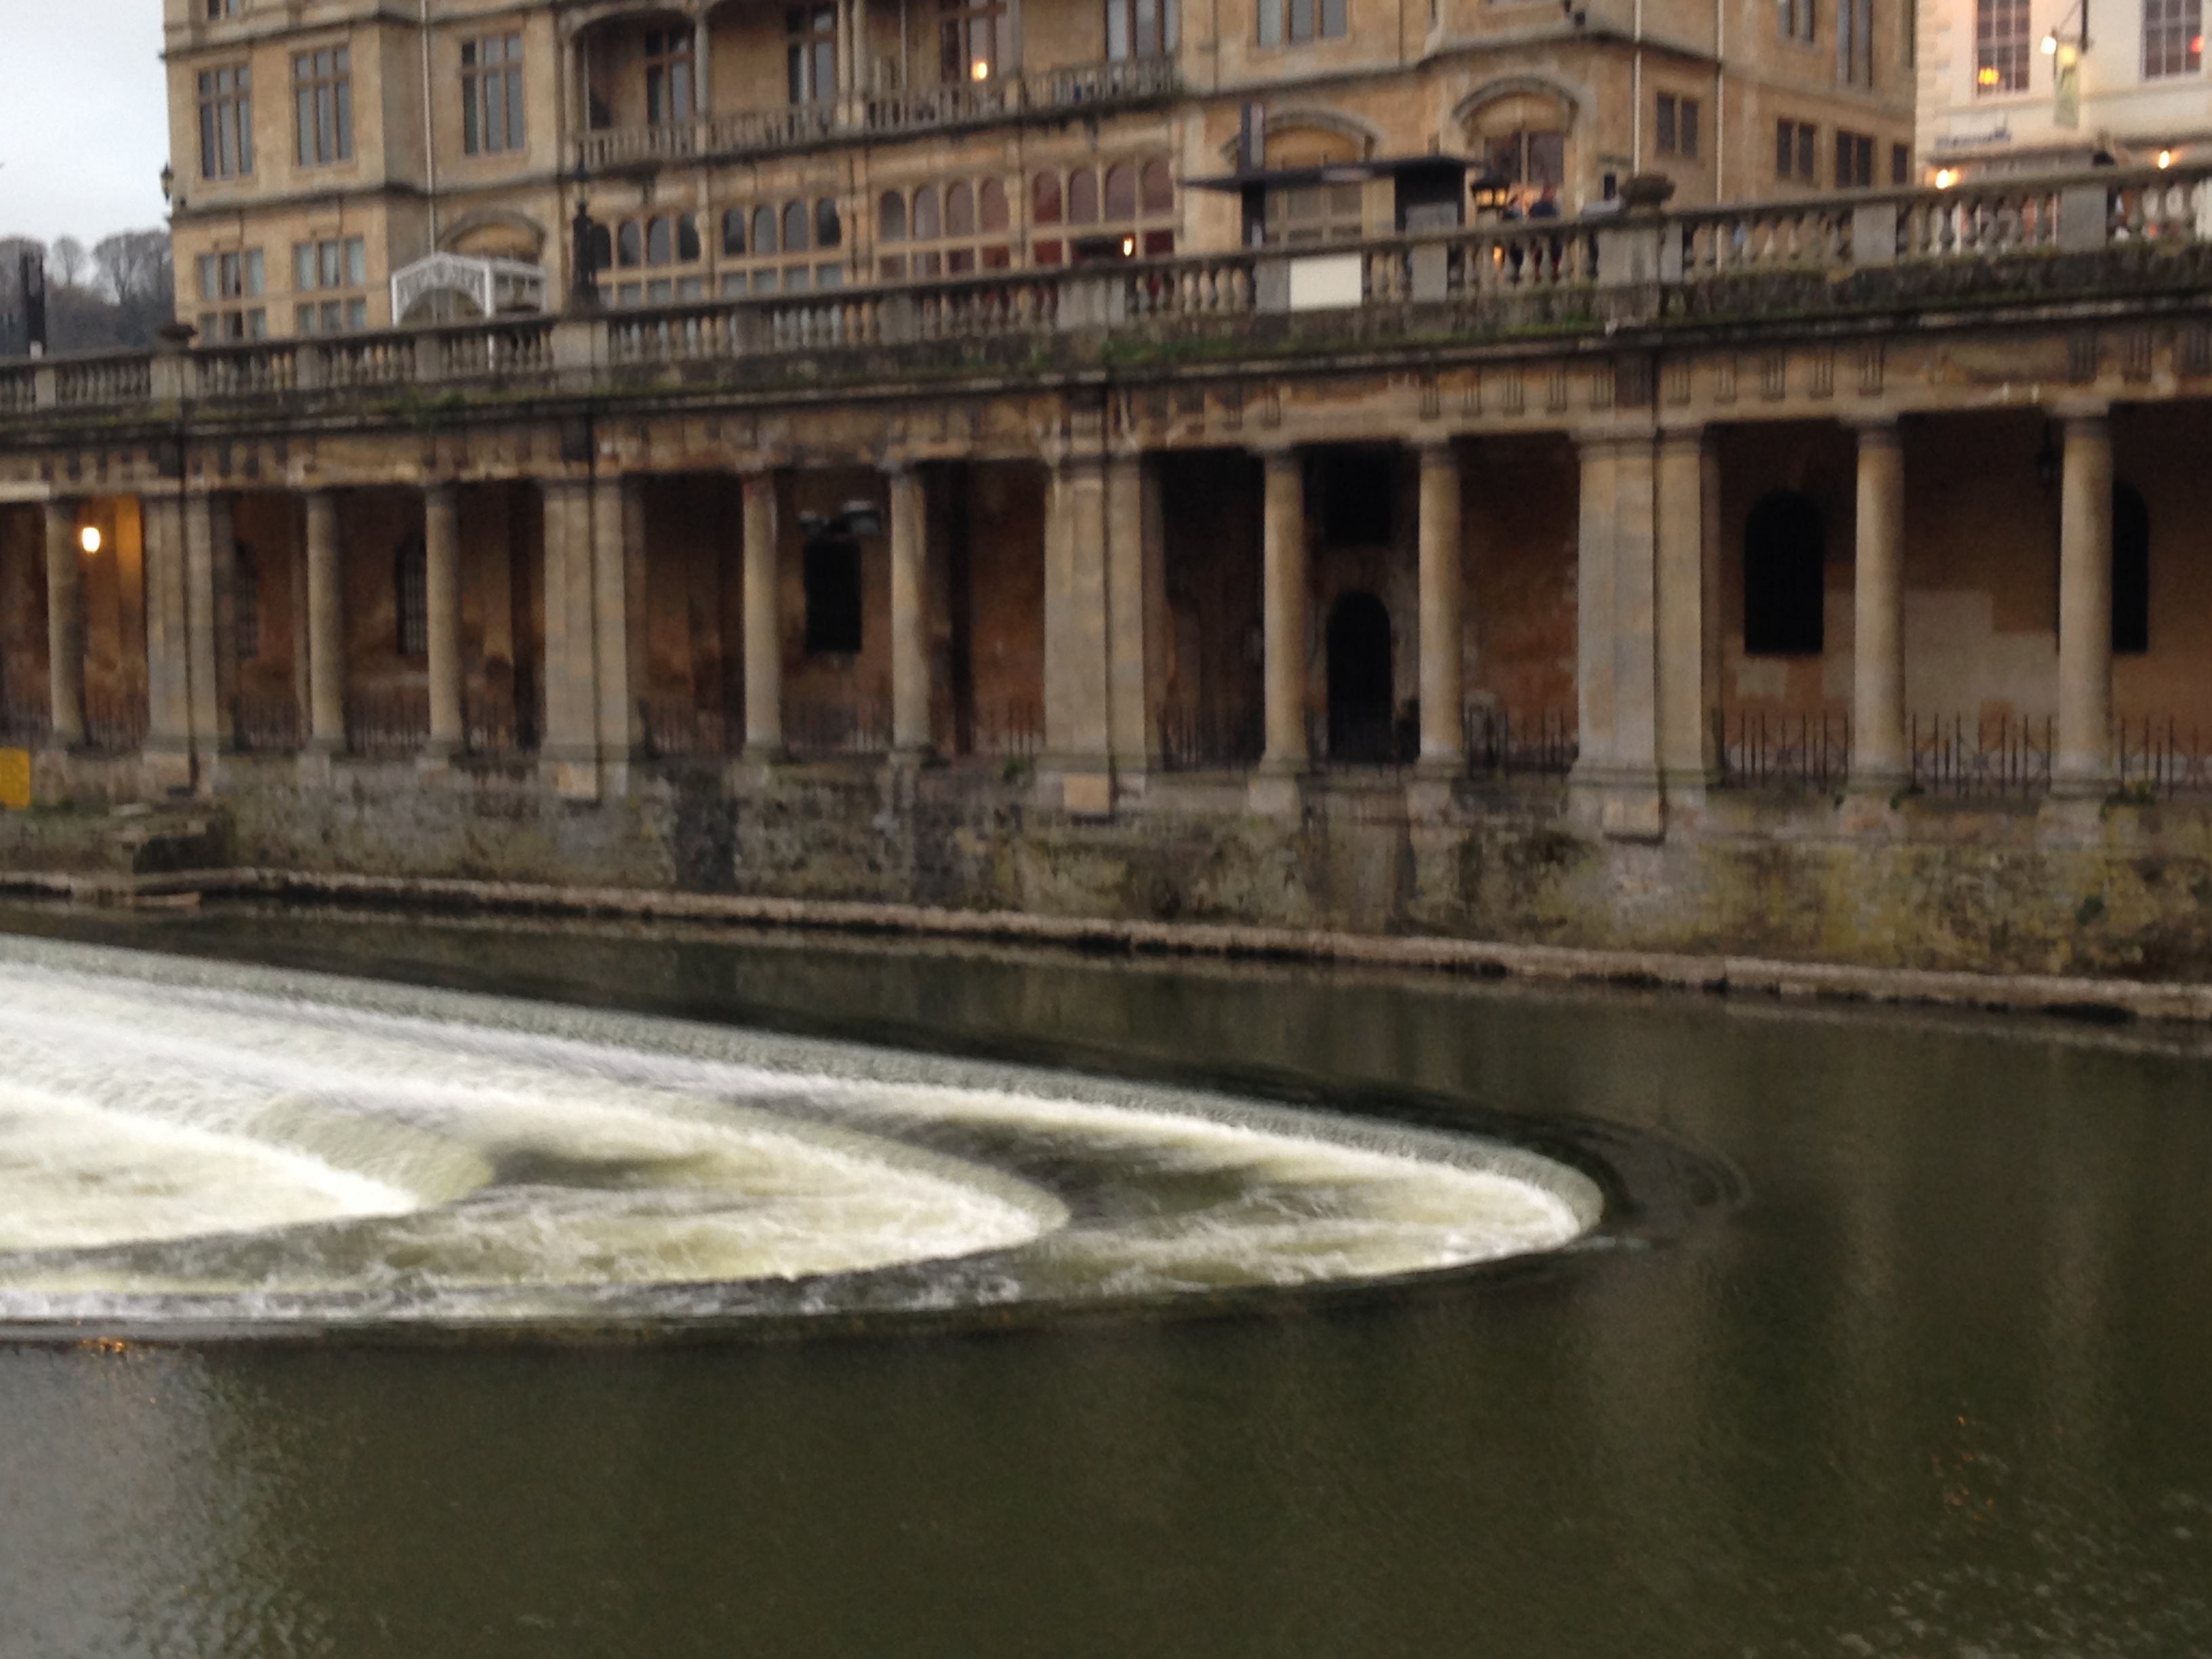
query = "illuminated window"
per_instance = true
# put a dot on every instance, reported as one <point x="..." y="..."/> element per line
<point x="974" y="39"/>
<point x="2000" y="46"/>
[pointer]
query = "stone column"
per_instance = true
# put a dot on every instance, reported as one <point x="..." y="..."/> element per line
<point x="568" y="750"/>
<point x="1283" y="606"/>
<point x="617" y="566"/>
<point x="1443" y="586"/>
<point x="909" y="539"/>
<point x="703" y="72"/>
<point x="65" y="627"/>
<point x="207" y="525"/>
<point x="763" y="621"/>
<point x="2083" y="765"/>
<point x="1078" y="694"/>
<point x="168" y="756"/>
<point x="1594" y="611"/>
<point x="327" y="676"/>
<point x="1879" y="761"/>
<point x="223" y="545"/>
<point x="1137" y="605"/>
<point x="1688" y="585"/>
<point x="1635" y="614"/>
<point x="441" y="563"/>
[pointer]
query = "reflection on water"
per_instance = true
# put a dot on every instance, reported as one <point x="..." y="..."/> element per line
<point x="1936" y="1390"/>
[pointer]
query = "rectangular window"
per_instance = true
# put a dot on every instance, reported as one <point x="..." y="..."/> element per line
<point x="668" y="76"/>
<point x="232" y="275"/>
<point x="812" y="53"/>
<point x="1676" y="126"/>
<point x="2000" y="46"/>
<point x="1796" y="151"/>
<point x="1139" y="29"/>
<point x="491" y="94"/>
<point x="1855" y="42"/>
<point x="974" y="40"/>
<point x="322" y="87"/>
<point x="1854" y="160"/>
<point x="226" y="123"/>
<point x="1900" y="164"/>
<point x="1300" y="215"/>
<point x="329" y="264"/>
<point x="2173" y="37"/>
<point x="1298" y="20"/>
<point x="1795" y="20"/>
<point x="221" y="9"/>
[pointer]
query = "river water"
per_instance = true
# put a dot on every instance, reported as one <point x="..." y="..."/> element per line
<point x="1891" y="1337"/>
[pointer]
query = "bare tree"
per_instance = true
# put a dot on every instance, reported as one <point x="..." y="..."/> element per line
<point x="68" y="263"/>
<point x="134" y="267"/>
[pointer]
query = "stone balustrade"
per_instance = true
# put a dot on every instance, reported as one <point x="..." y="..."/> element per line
<point x="2085" y="234"/>
<point x="919" y="109"/>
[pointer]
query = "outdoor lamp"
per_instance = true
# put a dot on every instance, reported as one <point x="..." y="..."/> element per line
<point x="88" y="538"/>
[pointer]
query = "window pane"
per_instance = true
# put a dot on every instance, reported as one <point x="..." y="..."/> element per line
<point x="333" y="270"/>
<point x="344" y="152"/>
<point x="357" y="314"/>
<point x="687" y="238"/>
<point x="991" y="213"/>
<point x="1044" y="198"/>
<point x="356" y="261"/>
<point x="1333" y="19"/>
<point x="829" y="229"/>
<point x="1121" y="191"/>
<point x="303" y="266"/>
<point x="733" y="232"/>
<point x="1271" y="22"/>
<point x="890" y="217"/>
<point x="256" y="273"/>
<point x="1083" y="198"/>
<point x="926" y="226"/>
<point x="472" y="142"/>
<point x="1117" y="28"/>
<point x="660" y="248"/>
<point x="959" y="210"/>
<point x="514" y="102"/>
<point x="763" y="231"/>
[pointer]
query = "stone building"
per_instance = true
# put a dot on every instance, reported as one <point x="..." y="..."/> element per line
<point x="336" y="160"/>
<point x="2027" y="85"/>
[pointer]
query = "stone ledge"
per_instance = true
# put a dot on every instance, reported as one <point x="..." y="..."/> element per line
<point x="2032" y="993"/>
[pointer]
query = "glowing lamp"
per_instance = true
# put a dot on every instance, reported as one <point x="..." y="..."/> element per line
<point x="2050" y="45"/>
<point x="2166" y="158"/>
<point x="1128" y="247"/>
<point x="980" y="70"/>
<point x="1945" y="178"/>
<point x="88" y="538"/>
<point x="1986" y="77"/>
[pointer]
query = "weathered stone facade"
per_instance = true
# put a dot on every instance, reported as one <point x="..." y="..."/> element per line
<point x="1153" y="592"/>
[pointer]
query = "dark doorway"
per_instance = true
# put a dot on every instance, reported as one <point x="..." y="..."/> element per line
<point x="832" y="576"/>
<point x="1784" y="551"/>
<point x="1360" y="686"/>
<point x="2131" y="572"/>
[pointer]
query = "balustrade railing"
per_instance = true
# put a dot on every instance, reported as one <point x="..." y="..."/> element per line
<point x="1503" y="272"/>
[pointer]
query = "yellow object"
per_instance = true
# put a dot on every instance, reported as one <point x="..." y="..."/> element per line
<point x="16" y="779"/>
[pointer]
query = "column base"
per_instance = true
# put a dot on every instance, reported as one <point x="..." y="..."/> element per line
<point x="1083" y="794"/>
<point x="1618" y="805"/>
<point x="2097" y="783"/>
<point x="439" y="754"/>
<point x="1276" y="793"/>
<point x="1429" y="794"/>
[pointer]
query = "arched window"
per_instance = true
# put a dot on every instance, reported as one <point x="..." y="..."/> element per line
<point x="890" y="217"/>
<point x="1082" y="196"/>
<point x="1159" y="188"/>
<point x="411" y="595"/>
<point x="630" y="245"/>
<point x="602" y="248"/>
<point x="991" y="214"/>
<point x="959" y="210"/>
<point x="795" y="228"/>
<point x="829" y="229"/>
<point x="1523" y="138"/>
<point x="733" y="234"/>
<point x="2130" y="571"/>
<point x="659" y="245"/>
<point x="687" y="238"/>
<point x="926" y="225"/>
<point x="832" y="571"/>
<point x="1044" y="198"/>
<point x="763" y="231"/>
<point x="1121" y="191"/>
<point x="1784" y="557"/>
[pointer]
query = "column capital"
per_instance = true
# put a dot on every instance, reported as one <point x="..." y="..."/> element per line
<point x="1873" y="428"/>
<point x="1280" y="457"/>
<point x="1681" y="435"/>
<point x="1436" y="447"/>
<point x="2079" y="411"/>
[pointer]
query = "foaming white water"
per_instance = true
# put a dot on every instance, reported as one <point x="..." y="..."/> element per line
<point x="192" y="1140"/>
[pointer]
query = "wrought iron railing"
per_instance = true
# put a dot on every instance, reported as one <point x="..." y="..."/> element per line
<point x="385" y="724"/>
<point x="1991" y="756"/>
<point x="1009" y="730"/>
<point x="2162" y="758"/>
<point x="1503" y="743"/>
<point x="676" y="728"/>
<point x="115" y="721"/>
<point x="1757" y="748"/>
<point x="264" y="723"/>
<point x="811" y="727"/>
<point x="1211" y="739"/>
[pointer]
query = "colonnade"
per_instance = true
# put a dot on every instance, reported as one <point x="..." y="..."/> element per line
<point x="1647" y="632"/>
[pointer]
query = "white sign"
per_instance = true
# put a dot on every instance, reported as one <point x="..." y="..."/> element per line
<point x="1327" y="281"/>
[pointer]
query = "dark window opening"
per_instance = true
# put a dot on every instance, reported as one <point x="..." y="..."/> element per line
<point x="246" y="604"/>
<point x="2131" y="572"/>
<point x="1784" y="553"/>
<point x="1361" y="690"/>
<point x="833" y="597"/>
<point x="411" y="585"/>
<point x="1356" y="489"/>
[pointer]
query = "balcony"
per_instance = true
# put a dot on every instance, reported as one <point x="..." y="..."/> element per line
<point x="1888" y="258"/>
<point x="1041" y="96"/>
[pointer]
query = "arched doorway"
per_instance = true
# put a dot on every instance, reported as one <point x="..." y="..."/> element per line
<point x="1360" y="686"/>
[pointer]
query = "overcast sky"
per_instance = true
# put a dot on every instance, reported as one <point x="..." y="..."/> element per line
<point x="84" y="126"/>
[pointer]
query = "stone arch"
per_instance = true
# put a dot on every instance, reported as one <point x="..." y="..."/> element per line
<point x="1522" y="129"/>
<point x="1351" y="139"/>
<point x="497" y="232"/>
